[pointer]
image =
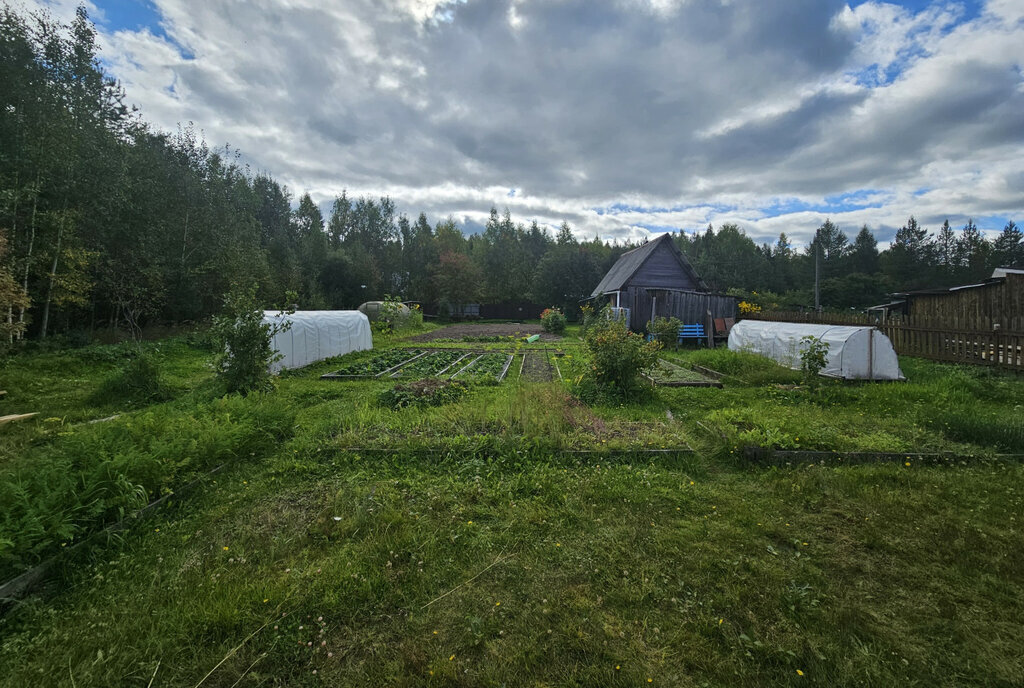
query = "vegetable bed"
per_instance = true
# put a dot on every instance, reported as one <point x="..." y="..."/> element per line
<point x="490" y="367"/>
<point x="432" y="364"/>
<point x="669" y="374"/>
<point x="376" y="366"/>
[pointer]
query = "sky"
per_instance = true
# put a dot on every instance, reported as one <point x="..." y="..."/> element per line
<point x="622" y="117"/>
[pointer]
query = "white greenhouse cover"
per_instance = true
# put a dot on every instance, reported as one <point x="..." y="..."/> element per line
<point x="854" y="352"/>
<point x="316" y="335"/>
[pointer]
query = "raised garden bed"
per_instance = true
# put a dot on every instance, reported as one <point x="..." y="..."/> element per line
<point x="669" y="374"/>
<point x="536" y="367"/>
<point x="485" y="368"/>
<point x="434" y="363"/>
<point x="377" y="366"/>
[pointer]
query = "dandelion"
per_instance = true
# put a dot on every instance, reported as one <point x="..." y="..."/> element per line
<point x="691" y="482"/>
<point x="225" y="548"/>
<point x="907" y="463"/>
<point x="451" y="658"/>
<point x="266" y="600"/>
<point x="799" y="673"/>
<point x="435" y="632"/>
<point x="469" y="523"/>
<point x="558" y="544"/>
<point x="497" y="604"/>
<point x="721" y="621"/>
<point x="616" y="667"/>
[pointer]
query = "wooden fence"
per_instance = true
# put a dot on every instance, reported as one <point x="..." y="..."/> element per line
<point x="1000" y="349"/>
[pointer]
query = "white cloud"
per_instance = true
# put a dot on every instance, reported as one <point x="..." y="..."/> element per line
<point x="720" y="111"/>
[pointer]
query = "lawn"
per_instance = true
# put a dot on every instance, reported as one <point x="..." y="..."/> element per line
<point x="516" y="537"/>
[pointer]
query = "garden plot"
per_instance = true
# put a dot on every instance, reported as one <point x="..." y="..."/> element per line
<point x="669" y="374"/>
<point x="434" y="363"/>
<point x="536" y="367"/>
<point x="488" y="367"/>
<point x="378" y="366"/>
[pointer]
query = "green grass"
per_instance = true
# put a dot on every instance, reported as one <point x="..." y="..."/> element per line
<point x="688" y="569"/>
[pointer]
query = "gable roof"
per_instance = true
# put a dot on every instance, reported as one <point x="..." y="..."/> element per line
<point x="631" y="261"/>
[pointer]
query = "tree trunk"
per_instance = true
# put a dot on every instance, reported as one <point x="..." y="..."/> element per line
<point x="49" y="287"/>
<point x="28" y="252"/>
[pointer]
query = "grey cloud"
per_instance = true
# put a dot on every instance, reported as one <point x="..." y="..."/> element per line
<point x="586" y="103"/>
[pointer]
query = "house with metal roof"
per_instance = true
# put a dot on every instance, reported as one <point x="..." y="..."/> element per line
<point x="656" y="280"/>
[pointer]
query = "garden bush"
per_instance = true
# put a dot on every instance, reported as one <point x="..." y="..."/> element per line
<point x="618" y="357"/>
<point x="665" y="329"/>
<point x="139" y="382"/>
<point x="553" y="320"/>
<point x="244" y="341"/>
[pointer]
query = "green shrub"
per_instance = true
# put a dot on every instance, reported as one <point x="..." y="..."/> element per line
<point x="812" y="359"/>
<point x="244" y="341"/>
<point x="665" y="329"/>
<point x="139" y="382"/>
<point x="421" y="393"/>
<point x="553" y="320"/>
<point x="619" y="357"/>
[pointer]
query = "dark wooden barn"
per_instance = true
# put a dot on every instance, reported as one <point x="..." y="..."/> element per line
<point x="656" y="280"/>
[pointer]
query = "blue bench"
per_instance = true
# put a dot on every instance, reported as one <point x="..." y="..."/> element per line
<point x="694" y="331"/>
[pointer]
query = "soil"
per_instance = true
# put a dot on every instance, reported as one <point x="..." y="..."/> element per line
<point x="537" y="368"/>
<point x="460" y="330"/>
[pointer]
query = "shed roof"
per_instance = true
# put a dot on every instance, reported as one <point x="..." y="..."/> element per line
<point x="631" y="261"/>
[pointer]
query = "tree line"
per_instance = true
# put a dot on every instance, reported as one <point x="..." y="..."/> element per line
<point x="105" y="221"/>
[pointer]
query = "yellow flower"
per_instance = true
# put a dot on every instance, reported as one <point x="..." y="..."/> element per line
<point x="451" y="658"/>
<point x="799" y="673"/>
<point x="225" y="548"/>
<point x="266" y="600"/>
<point x="616" y="667"/>
<point x="497" y="604"/>
<point x="906" y="463"/>
<point x="558" y="544"/>
<point x="720" y="621"/>
<point x="469" y="523"/>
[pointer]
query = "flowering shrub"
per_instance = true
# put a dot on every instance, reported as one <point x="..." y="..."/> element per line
<point x="746" y="308"/>
<point x="618" y="357"/>
<point x="552" y="320"/>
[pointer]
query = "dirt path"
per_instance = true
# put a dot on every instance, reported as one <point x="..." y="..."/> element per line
<point x="460" y="330"/>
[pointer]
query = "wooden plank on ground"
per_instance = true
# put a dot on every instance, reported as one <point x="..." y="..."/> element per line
<point x="14" y="417"/>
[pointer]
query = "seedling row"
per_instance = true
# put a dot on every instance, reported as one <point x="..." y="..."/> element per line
<point x="469" y="366"/>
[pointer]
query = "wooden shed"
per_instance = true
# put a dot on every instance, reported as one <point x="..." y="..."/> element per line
<point x="995" y="304"/>
<point x="656" y="280"/>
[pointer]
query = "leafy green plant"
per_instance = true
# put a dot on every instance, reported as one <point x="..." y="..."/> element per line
<point x="553" y="320"/>
<point x="619" y="357"/>
<point x="421" y="393"/>
<point x="244" y="342"/>
<point x="139" y="382"/>
<point x="665" y="329"/>
<point x="813" y="356"/>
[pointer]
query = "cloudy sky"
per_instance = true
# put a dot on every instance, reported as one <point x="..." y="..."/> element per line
<point x="623" y="117"/>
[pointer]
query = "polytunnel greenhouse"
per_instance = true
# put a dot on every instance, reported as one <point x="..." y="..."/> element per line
<point x="854" y="352"/>
<point x="316" y="335"/>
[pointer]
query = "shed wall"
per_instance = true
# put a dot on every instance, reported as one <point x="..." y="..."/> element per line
<point x="978" y="308"/>
<point x="689" y="306"/>
<point x="661" y="270"/>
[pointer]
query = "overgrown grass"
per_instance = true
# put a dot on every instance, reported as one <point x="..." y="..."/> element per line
<point x="526" y="571"/>
<point x="534" y="565"/>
